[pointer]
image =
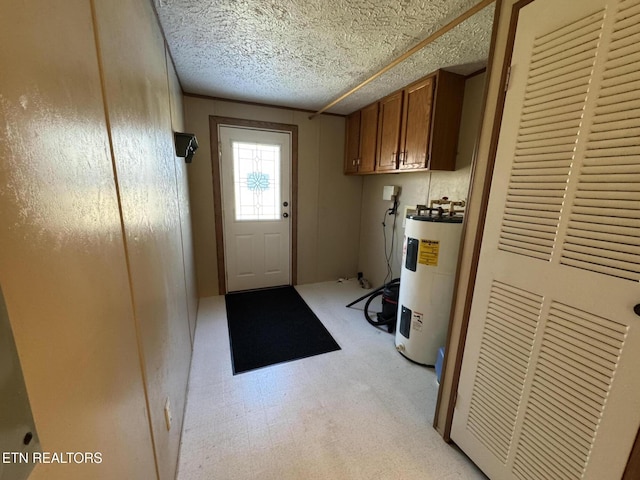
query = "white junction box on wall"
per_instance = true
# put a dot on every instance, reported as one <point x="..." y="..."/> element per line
<point x="389" y="191"/>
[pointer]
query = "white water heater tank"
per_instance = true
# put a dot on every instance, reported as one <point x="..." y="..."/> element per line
<point x="429" y="261"/>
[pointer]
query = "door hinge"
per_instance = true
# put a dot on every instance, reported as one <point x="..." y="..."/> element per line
<point x="455" y="399"/>
<point x="507" y="79"/>
<point x="219" y="149"/>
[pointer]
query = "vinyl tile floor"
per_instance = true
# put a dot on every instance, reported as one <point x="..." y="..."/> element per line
<point x="363" y="412"/>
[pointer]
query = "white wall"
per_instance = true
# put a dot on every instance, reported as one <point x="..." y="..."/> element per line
<point x="94" y="262"/>
<point x="416" y="188"/>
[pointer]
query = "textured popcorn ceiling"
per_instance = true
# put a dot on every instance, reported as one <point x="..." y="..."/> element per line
<point x="306" y="53"/>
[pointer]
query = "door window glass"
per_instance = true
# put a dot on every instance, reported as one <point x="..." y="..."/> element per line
<point x="256" y="177"/>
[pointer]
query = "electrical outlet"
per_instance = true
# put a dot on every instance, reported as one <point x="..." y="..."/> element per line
<point x="167" y="413"/>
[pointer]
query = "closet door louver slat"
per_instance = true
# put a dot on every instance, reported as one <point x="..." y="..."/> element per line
<point x="563" y="448"/>
<point x="511" y="322"/>
<point x="611" y="164"/>
<point x="542" y="159"/>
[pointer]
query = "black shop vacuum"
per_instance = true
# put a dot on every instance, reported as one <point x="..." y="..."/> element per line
<point x="387" y="317"/>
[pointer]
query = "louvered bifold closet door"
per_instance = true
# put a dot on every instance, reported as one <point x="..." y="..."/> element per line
<point x="550" y="384"/>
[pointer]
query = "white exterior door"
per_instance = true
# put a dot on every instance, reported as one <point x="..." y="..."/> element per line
<point x="550" y="384"/>
<point x="256" y="198"/>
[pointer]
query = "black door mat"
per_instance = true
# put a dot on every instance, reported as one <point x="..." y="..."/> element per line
<point x="272" y="326"/>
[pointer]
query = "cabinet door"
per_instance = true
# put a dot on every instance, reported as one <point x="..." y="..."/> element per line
<point x="416" y="131"/>
<point x="445" y="124"/>
<point x="389" y="132"/>
<point x="352" y="143"/>
<point x="368" y="137"/>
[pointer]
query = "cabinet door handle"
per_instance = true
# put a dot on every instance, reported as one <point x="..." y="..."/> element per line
<point x="353" y="163"/>
<point x="405" y="154"/>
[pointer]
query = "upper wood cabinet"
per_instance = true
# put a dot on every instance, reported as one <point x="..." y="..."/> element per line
<point x="362" y="128"/>
<point x="389" y="122"/>
<point x="417" y="127"/>
<point x="445" y="120"/>
<point x="352" y="143"/>
<point x="368" y="134"/>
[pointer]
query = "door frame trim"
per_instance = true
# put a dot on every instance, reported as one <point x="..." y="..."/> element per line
<point x="468" y="289"/>
<point x="214" y="123"/>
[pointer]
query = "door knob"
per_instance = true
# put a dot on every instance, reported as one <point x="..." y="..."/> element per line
<point x="637" y="309"/>
<point x="285" y="215"/>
